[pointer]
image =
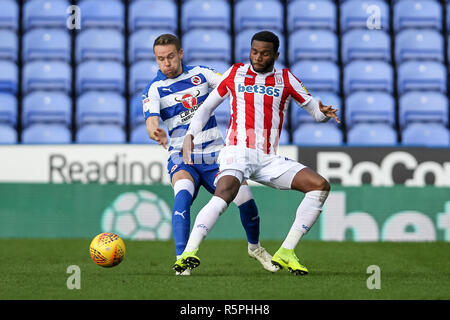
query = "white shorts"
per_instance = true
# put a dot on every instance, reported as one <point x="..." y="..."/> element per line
<point x="268" y="169"/>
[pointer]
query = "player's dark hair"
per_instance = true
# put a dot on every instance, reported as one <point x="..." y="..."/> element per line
<point x="166" y="39"/>
<point x="267" y="36"/>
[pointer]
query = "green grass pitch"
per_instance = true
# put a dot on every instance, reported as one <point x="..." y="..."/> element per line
<point x="37" y="269"/>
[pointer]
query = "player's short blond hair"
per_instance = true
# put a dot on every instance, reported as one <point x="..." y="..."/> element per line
<point x="166" y="39"/>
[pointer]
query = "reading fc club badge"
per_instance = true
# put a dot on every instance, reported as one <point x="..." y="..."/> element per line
<point x="196" y="80"/>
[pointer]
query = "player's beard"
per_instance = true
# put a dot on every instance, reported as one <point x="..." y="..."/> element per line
<point x="267" y="67"/>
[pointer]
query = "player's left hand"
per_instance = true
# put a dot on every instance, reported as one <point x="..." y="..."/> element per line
<point x="161" y="137"/>
<point x="329" y="112"/>
<point x="188" y="147"/>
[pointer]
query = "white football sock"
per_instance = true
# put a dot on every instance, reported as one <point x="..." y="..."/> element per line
<point x="253" y="246"/>
<point x="307" y="213"/>
<point x="205" y="221"/>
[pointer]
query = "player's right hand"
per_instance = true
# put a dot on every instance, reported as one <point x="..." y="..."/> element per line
<point x="161" y="137"/>
<point x="188" y="147"/>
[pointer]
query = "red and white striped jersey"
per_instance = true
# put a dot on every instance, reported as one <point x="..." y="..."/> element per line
<point x="258" y="105"/>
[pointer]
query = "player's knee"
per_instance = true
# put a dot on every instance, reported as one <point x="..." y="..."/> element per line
<point x="324" y="185"/>
<point x="227" y="190"/>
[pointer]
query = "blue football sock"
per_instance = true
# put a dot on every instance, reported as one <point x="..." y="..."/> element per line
<point x="181" y="222"/>
<point x="250" y="220"/>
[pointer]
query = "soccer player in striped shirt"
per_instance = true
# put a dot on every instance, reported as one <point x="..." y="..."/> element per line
<point x="174" y="95"/>
<point x="259" y="96"/>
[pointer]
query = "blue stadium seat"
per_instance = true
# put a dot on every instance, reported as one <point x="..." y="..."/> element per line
<point x="448" y="15"/>
<point x="368" y="75"/>
<point x="102" y="14"/>
<point x="101" y="107"/>
<point x="218" y="65"/>
<point x="8" y="135"/>
<point x="300" y="115"/>
<point x="284" y="138"/>
<point x="8" y="76"/>
<point x="422" y="75"/>
<point x="8" y="109"/>
<point x="100" y="75"/>
<point x="45" y="13"/>
<point x="9" y="15"/>
<point x="416" y="44"/>
<point x="101" y="134"/>
<point x="318" y="134"/>
<point x="48" y="107"/>
<point x="141" y="73"/>
<point x="100" y="44"/>
<point x="153" y="14"/>
<point x="311" y="14"/>
<point x="139" y="135"/>
<point x="141" y="44"/>
<point x="205" y="14"/>
<point x="313" y="44"/>
<point x="267" y="15"/>
<point x="417" y="14"/>
<point x="369" y="107"/>
<point x="366" y="44"/>
<point x="417" y="106"/>
<point x="9" y="45"/>
<point x="318" y="75"/>
<point x="43" y="133"/>
<point x="243" y="45"/>
<point x="51" y="75"/>
<point x="371" y="134"/>
<point x="47" y="44"/>
<point x="136" y="113"/>
<point x="426" y="134"/>
<point x="207" y="44"/>
<point x="356" y="14"/>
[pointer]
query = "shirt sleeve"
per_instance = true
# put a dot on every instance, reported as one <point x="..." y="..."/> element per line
<point x="297" y="90"/>
<point x="212" y="76"/>
<point x="150" y="102"/>
<point x="228" y="77"/>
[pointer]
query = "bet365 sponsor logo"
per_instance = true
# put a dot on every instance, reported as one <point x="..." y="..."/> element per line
<point x="258" y="88"/>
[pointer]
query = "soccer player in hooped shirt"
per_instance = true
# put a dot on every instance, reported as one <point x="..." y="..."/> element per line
<point x="259" y="95"/>
<point x="174" y="95"/>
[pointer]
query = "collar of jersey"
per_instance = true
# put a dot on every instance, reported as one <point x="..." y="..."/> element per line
<point x="162" y="76"/>
<point x="264" y="74"/>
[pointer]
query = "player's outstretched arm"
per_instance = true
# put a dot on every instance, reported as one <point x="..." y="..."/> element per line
<point x="329" y="112"/>
<point x="155" y="132"/>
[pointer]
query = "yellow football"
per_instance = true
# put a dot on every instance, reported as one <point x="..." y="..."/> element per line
<point x="107" y="249"/>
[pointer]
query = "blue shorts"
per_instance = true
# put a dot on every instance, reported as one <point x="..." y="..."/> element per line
<point x="203" y="173"/>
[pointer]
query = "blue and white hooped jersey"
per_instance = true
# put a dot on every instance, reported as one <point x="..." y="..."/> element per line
<point x="175" y="101"/>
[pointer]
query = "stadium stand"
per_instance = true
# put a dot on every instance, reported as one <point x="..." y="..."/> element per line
<point x="46" y="107"/>
<point x="317" y="134"/>
<point x="9" y="45"/>
<point x="426" y="134"/>
<point x="8" y="109"/>
<point x="102" y="14"/>
<point x="8" y="135"/>
<point x="100" y="44"/>
<point x="48" y="44"/>
<point x="215" y="14"/>
<point x="382" y="63"/>
<point x="43" y="133"/>
<point x="100" y="134"/>
<point x="365" y="134"/>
